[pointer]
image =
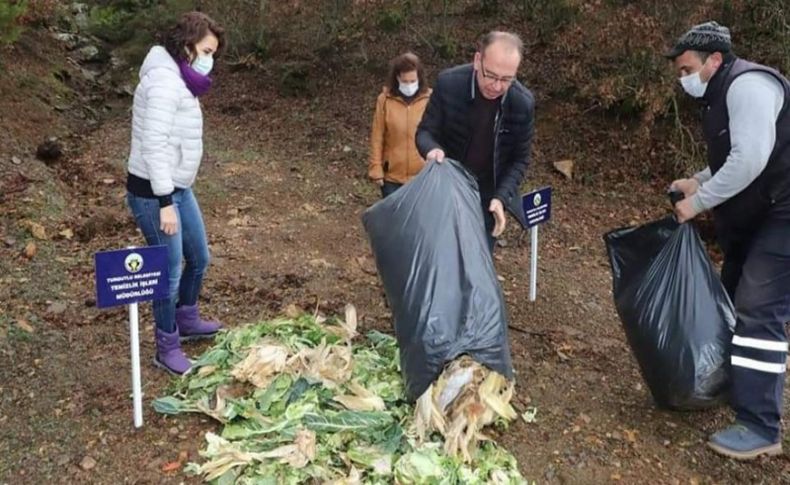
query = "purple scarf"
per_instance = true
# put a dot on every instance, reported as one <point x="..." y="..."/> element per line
<point x="197" y="83"/>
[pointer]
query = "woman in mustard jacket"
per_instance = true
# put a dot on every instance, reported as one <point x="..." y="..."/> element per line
<point x="394" y="158"/>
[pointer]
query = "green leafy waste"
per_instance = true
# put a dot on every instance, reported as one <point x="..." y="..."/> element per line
<point x="312" y="423"/>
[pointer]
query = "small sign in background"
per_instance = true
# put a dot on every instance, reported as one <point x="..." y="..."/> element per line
<point x="537" y="206"/>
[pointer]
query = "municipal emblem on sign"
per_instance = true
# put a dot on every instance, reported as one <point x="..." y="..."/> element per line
<point x="133" y="263"/>
<point x="537" y="206"/>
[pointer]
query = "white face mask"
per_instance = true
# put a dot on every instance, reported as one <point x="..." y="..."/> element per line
<point x="203" y="64"/>
<point x="693" y="85"/>
<point x="409" y="89"/>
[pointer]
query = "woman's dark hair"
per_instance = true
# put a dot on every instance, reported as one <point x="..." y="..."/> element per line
<point x="191" y="28"/>
<point x="405" y="63"/>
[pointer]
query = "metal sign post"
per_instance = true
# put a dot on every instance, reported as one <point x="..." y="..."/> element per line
<point x="533" y="263"/>
<point x="137" y="386"/>
<point x="537" y="210"/>
<point x="127" y="277"/>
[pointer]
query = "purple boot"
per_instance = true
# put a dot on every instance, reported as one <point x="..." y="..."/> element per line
<point x="191" y="326"/>
<point x="169" y="355"/>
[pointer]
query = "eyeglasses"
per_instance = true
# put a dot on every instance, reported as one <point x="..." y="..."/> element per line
<point x="494" y="78"/>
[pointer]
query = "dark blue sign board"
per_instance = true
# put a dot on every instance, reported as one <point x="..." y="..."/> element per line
<point x="131" y="275"/>
<point x="537" y="206"/>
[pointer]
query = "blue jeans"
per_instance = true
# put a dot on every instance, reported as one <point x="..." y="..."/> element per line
<point x="188" y="245"/>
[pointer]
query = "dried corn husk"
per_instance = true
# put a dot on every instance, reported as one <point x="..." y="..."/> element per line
<point x="206" y="370"/>
<point x="353" y="478"/>
<point x="225" y="456"/>
<point x="262" y="364"/>
<point x="361" y="399"/>
<point x="465" y="398"/>
<point x="427" y="416"/>
<point x="345" y="329"/>
<point x="298" y="454"/>
<point x="330" y="364"/>
<point x="218" y="409"/>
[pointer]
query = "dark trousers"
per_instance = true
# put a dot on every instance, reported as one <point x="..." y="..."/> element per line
<point x="388" y="188"/>
<point x="757" y="277"/>
<point x="490" y="222"/>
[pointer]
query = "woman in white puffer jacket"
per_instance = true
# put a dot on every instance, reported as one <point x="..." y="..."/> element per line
<point x="166" y="150"/>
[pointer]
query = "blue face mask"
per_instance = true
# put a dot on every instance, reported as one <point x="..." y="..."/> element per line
<point x="203" y="64"/>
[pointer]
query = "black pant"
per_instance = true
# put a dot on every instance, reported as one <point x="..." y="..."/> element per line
<point x="490" y="222"/>
<point x="757" y="277"/>
<point x="388" y="188"/>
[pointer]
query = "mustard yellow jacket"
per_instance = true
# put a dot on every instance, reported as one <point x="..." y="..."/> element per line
<point x="393" y="152"/>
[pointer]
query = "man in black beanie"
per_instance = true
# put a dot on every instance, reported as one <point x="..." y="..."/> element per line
<point x="746" y="125"/>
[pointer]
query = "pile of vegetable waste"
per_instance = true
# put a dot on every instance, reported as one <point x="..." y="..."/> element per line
<point x="307" y="400"/>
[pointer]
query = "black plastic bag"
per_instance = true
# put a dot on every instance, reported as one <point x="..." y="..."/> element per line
<point x="432" y="255"/>
<point x="675" y="312"/>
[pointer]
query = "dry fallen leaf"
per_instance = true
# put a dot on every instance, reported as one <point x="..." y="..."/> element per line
<point x="30" y="250"/>
<point x="366" y="265"/>
<point x="67" y="234"/>
<point x="171" y="467"/>
<point x="88" y="463"/>
<point x="24" y="325"/>
<point x="293" y="311"/>
<point x="565" y="167"/>
<point x="320" y="262"/>
<point x="630" y="435"/>
<point x="38" y="231"/>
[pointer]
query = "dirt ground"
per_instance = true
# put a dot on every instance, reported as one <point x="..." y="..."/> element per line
<point x="282" y="189"/>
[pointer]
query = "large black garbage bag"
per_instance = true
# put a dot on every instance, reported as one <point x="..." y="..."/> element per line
<point x="676" y="314"/>
<point x="428" y="239"/>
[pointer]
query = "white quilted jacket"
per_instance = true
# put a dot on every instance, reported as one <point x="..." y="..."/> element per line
<point x="167" y="126"/>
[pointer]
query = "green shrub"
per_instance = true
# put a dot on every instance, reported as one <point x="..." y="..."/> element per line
<point x="489" y="7"/>
<point x="111" y="23"/>
<point x="446" y="46"/>
<point x="390" y="20"/>
<point x="295" y="79"/>
<point x="10" y="12"/>
<point x="549" y="16"/>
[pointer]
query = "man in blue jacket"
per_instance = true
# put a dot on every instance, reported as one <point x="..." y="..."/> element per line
<point x="482" y="116"/>
<point x="746" y="124"/>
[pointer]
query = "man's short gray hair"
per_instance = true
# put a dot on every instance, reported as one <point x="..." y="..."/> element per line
<point x="509" y="38"/>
